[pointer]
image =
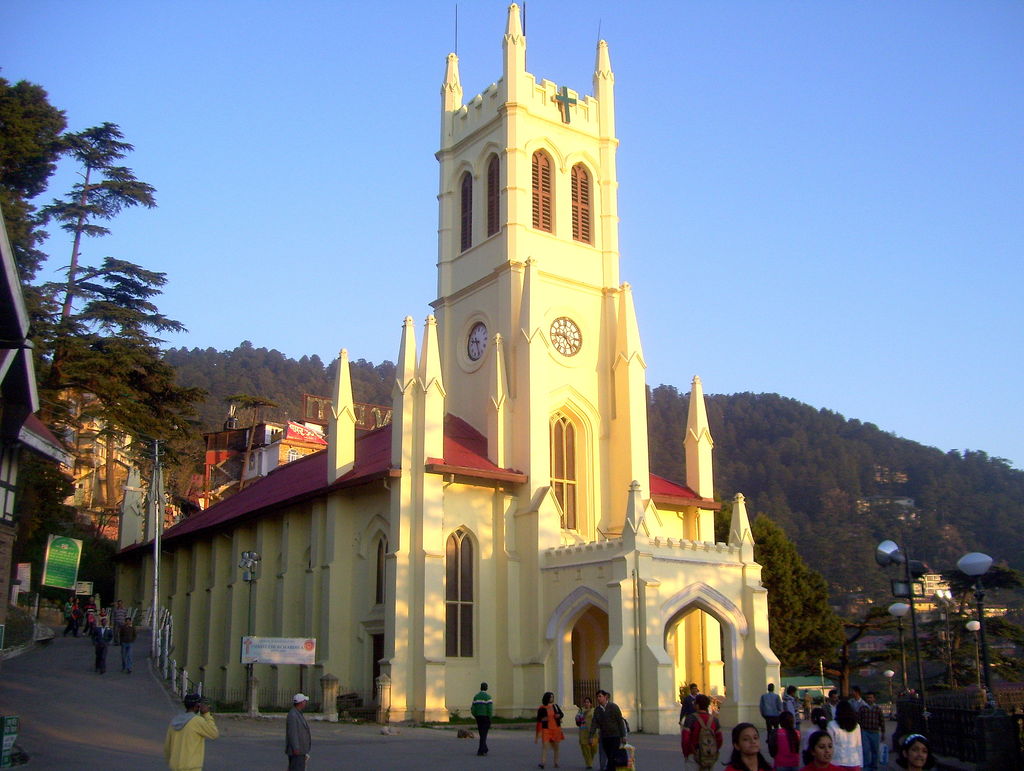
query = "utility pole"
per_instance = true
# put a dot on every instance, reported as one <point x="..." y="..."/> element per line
<point x="156" y="495"/>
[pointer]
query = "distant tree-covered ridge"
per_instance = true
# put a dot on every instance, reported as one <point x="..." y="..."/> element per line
<point x="270" y="375"/>
<point x="835" y="486"/>
<point x="839" y="486"/>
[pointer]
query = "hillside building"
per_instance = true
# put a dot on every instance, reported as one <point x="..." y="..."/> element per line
<point x="505" y="525"/>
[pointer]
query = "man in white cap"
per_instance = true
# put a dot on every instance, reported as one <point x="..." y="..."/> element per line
<point x="296" y="741"/>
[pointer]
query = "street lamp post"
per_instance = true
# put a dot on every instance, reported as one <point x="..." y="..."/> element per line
<point x="977" y="565"/>
<point x="250" y="564"/>
<point x="945" y="598"/>
<point x="889" y="675"/>
<point x="889" y="553"/>
<point x="974" y="626"/>
<point x="899" y="610"/>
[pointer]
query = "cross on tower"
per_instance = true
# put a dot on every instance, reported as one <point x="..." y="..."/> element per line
<point x="564" y="100"/>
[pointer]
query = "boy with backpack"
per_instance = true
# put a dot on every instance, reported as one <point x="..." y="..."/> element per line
<point x="702" y="735"/>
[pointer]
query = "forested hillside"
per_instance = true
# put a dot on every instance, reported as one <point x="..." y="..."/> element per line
<point x="840" y="486"/>
<point x="836" y="486"/>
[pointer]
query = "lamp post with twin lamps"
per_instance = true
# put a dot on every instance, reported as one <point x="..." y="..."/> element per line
<point x="891" y="553"/>
<point x="250" y="565"/>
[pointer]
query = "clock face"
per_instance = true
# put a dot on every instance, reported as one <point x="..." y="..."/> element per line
<point x="476" y="344"/>
<point x="566" y="336"/>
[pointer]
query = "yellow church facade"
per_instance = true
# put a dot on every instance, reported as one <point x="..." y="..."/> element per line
<point x="505" y="526"/>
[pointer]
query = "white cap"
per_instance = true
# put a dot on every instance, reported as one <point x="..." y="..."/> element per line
<point x="299" y="697"/>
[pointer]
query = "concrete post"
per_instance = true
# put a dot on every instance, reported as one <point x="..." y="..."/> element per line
<point x="329" y="684"/>
<point x="252" y="697"/>
<point x="383" y="699"/>
<point x="998" y="746"/>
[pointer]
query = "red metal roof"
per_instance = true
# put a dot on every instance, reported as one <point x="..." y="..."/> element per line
<point x="465" y="454"/>
<point x="666" y="491"/>
<point x="465" y="451"/>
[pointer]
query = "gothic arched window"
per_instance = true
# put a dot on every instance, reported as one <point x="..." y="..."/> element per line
<point x="467" y="211"/>
<point x="542" y="198"/>
<point x="581" y="212"/>
<point x="564" y="480"/>
<point x="459" y="594"/>
<point x="493" y="195"/>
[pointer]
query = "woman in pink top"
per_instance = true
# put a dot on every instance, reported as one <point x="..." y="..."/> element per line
<point x="786" y="744"/>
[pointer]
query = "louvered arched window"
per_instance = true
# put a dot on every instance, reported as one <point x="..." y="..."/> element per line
<point x="581" y="210"/>
<point x="564" y="481"/>
<point x="467" y="211"/>
<point x="493" y="195"/>
<point x="542" y="199"/>
<point x="459" y="594"/>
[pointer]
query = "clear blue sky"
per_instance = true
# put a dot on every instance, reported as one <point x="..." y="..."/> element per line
<point x="819" y="199"/>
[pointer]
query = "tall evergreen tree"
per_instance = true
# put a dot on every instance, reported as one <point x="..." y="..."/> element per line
<point x="803" y="627"/>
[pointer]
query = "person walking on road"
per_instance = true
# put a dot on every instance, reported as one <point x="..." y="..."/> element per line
<point x="771" y="708"/>
<point x="482" y="710"/>
<point x="185" y="743"/>
<point x="128" y="635"/>
<point x="120" y="615"/>
<point x="608" y="726"/>
<point x="549" y="728"/>
<point x="296" y="739"/>
<point x="101" y="637"/>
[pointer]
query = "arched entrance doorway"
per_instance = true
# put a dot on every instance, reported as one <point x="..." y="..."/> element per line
<point x="695" y="644"/>
<point x="589" y="640"/>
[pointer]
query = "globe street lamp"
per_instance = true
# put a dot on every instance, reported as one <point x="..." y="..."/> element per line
<point x="974" y="626"/>
<point x="898" y="610"/>
<point x="945" y="599"/>
<point x="976" y="565"/>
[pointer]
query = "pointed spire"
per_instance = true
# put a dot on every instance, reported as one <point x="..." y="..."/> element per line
<point x="451" y="88"/>
<point x="498" y="413"/>
<point x="698" y="444"/>
<point x="603" y="66"/>
<point x="432" y="387"/>
<point x="527" y="305"/>
<point x="341" y="443"/>
<point x="635" y="507"/>
<point x="628" y="332"/>
<point x="604" y="90"/>
<point x="514" y="48"/>
<point x="402" y="393"/>
<point x="739" y="532"/>
<point x="514" y="26"/>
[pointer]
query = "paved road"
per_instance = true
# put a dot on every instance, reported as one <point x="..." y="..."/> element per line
<point x="72" y="718"/>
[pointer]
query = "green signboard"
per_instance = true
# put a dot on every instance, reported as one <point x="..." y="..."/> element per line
<point x="61" y="566"/>
<point x="8" y="736"/>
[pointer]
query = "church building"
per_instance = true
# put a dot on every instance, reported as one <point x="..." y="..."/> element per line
<point x="505" y="525"/>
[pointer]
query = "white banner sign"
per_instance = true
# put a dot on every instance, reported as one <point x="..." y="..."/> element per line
<point x="278" y="650"/>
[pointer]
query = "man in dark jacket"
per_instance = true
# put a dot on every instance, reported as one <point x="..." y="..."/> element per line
<point x="609" y="725"/>
<point x="297" y="741"/>
<point x="101" y="637"/>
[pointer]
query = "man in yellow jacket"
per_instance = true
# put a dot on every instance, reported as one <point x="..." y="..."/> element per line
<point x="185" y="745"/>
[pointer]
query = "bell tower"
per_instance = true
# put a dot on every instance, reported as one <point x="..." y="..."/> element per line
<point x="540" y="346"/>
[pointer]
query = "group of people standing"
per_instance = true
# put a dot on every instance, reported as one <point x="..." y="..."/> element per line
<point x="846" y="734"/>
<point x="602" y="729"/>
<point x="103" y="629"/>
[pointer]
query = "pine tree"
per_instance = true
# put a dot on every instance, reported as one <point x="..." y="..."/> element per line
<point x="803" y="627"/>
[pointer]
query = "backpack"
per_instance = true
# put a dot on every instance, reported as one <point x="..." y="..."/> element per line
<point x="706" y="753"/>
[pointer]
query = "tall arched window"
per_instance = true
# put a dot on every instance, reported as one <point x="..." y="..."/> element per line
<point x="564" y="481"/>
<point x="459" y="594"/>
<point x="467" y="211"/>
<point x="493" y="195"/>
<point x="542" y="202"/>
<point x="581" y="213"/>
<point x="382" y="550"/>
